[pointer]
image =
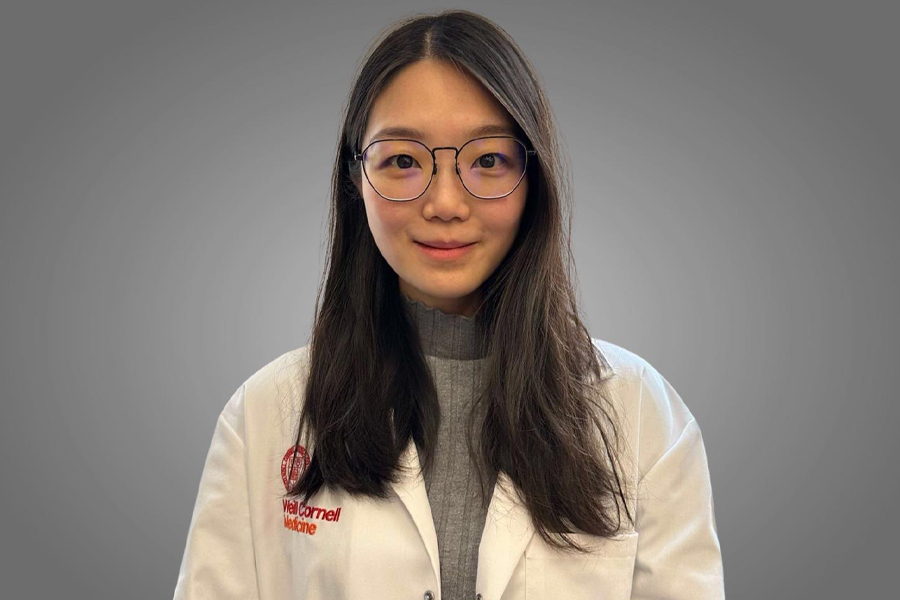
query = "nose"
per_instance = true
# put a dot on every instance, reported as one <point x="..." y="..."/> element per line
<point x="446" y="197"/>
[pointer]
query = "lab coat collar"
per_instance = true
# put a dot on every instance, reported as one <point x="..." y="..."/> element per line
<point x="507" y="530"/>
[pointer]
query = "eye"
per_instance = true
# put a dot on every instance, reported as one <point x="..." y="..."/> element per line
<point x="488" y="161"/>
<point x="404" y="161"/>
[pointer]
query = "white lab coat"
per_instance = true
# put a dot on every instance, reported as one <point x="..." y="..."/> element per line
<point x="245" y="542"/>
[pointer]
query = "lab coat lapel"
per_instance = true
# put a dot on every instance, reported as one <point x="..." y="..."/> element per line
<point x="507" y="530"/>
<point x="410" y="487"/>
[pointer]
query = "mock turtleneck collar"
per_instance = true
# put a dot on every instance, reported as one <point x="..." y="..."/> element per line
<point x="445" y="335"/>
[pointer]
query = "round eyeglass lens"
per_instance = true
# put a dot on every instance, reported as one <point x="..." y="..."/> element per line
<point x="398" y="169"/>
<point x="401" y="169"/>
<point x="492" y="167"/>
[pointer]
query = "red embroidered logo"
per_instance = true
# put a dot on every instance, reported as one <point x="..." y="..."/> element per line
<point x="296" y="513"/>
<point x="300" y="463"/>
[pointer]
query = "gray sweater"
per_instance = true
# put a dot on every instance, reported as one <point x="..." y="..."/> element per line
<point x="450" y="345"/>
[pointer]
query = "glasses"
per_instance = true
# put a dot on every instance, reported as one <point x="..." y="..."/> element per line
<point x="401" y="170"/>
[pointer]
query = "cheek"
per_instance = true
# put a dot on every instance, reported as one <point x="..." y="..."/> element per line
<point x="502" y="219"/>
<point x="387" y="222"/>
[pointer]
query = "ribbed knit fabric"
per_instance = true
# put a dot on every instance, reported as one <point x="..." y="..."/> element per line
<point x="451" y="346"/>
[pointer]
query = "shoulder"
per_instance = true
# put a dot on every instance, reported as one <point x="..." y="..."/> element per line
<point x="273" y="390"/>
<point x="656" y="414"/>
<point x="287" y="369"/>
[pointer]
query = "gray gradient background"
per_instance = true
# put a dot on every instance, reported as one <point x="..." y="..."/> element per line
<point x="164" y="185"/>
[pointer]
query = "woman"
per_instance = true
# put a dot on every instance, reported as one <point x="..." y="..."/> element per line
<point x="452" y="430"/>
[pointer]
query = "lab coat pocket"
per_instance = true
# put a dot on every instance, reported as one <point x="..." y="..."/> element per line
<point x="603" y="573"/>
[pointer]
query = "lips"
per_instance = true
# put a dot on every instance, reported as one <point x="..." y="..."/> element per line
<point x="445" y="254"/>
<point x="444" y="244"/>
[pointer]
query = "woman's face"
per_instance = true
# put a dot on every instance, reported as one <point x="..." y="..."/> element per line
<point x="445" y="105"/>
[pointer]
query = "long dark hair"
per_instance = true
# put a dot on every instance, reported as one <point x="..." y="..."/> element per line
<point x="543" y="418"/>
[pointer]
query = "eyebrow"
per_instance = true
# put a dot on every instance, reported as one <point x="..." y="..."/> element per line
<point x="410" y="132"/>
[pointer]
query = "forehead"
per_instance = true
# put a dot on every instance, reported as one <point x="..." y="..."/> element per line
<point x="439" y="103"/>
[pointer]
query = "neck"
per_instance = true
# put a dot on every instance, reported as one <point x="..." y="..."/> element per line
<point x="445" y="335"/>
<point x="464" y="305"/>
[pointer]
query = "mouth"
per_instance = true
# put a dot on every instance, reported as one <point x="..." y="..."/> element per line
<point x="445" y="253"/>
<point x="450" y="245"/>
